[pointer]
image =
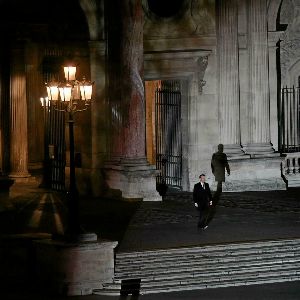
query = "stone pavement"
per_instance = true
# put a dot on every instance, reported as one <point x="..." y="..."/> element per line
<point x="239" y="217"/>
<point x="278" y="291"/>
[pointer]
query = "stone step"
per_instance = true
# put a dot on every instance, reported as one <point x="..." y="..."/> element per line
<point x="293" y="180"/>
<point x="196" y="284"/>
<point x="189" y="260"/>
<point x="290" y="269"/>
<point x="209" y="266"/>
<point x="219" y="284"/>
<point x="191" y="270"/>
<point x="207" y="249"/>
<point x="228" y="277"/>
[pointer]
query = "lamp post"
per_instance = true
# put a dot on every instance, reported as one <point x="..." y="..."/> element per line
<point x="70" y="97"/>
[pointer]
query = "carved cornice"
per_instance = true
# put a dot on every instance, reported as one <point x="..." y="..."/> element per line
<point x="94" y="12"/>
<point x="195" y="18"/>
<point x="202" y="63"/>
<point x="290" y="39"/>
<point x="176" y="64"/>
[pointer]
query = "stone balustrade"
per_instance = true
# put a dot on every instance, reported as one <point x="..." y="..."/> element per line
<point x="291" y="169"/>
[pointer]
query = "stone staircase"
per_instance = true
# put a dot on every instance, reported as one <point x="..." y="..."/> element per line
<point x="210" y="266"/>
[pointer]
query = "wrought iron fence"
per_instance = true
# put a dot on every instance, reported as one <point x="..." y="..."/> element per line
<point x="289" y="120"/>
<point x="54" y="126"/>
<point x="168" y="133"/>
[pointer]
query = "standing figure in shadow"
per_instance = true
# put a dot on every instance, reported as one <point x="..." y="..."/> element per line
<point x="203" y="200"/>
<point x="218" y="165"/>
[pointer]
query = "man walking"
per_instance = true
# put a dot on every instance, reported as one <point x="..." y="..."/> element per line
<point x="203" y="200"/>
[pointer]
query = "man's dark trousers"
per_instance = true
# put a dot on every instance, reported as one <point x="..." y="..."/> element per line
<point x="202" y="196"/>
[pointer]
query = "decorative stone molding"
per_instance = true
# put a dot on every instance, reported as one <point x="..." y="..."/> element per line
<point x="195" y="18"/>
<point x="202" y="63"/>
<point x="94" y="12"/>
<point x="166" y="64"/>
<point x="289" y="40"/>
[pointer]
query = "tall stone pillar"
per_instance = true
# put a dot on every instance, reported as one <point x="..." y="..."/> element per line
<point x="132" y="93"/>
<point x="228" y="88"/>
<point x="34" y="84"/>
<point x="259" y="102"/>
<point x="4" y="110"/>
<point x="18" y="115"/>
<point x="98" y="113"/>
<point x="95" y="15"/>
<point x="133" y="175"/>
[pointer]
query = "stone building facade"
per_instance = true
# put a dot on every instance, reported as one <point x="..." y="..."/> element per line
<point x="228" y="60"/>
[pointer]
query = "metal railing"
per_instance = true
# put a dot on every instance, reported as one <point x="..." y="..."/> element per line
<point x="289" y="120"/>
<point x="168" y="133"/>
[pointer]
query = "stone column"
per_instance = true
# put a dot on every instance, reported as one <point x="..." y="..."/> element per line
<point x="94" y="12"/>
<point x="98" y="113"/>
<point x="133" y="176"/>
<point x="18" y="115"/>
<point x="34" y="84"/>
<point x="132" y="61"/>
<point x="259" y="102"/>
<point x="4" y="112"/>
<point x="228" y="89"/>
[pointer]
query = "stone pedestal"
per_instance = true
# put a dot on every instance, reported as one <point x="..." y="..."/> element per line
<point x="134" y="178"/>
<point x="260" y="173"/>
<point x="74" y="268"/>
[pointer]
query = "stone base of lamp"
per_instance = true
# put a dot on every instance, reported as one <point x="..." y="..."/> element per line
<point x="133" y="178"/>
<point x="74" y="268"/>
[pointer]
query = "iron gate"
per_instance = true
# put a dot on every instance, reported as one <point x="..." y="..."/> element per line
<point x="168" y="133"/>
<point x="54" y="126"/>
<point x="289" y="120"/>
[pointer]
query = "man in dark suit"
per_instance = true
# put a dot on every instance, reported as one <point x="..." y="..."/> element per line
<point x="203" y="200"/>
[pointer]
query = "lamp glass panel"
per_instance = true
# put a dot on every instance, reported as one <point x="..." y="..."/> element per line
<point x="86" y="92"/>
<point x="65" y="93"/>
<point x="52" y="92"/>
<point x="70" y="73"/>
<point x="44" y="101"/>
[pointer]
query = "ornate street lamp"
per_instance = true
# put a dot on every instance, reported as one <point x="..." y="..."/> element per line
<point x="70" y="97"/>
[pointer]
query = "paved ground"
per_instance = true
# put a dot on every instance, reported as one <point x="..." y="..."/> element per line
<point x="238" y="217"/>
<point x="278" y="291"/>
<point x="171" y="223"/>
